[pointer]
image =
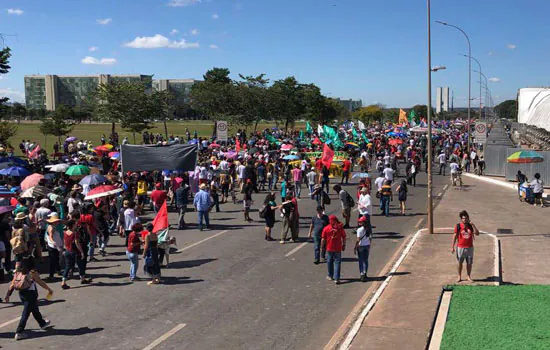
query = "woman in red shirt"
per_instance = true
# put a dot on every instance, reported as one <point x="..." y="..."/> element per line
<point x="72" y="249"/>
<point x="132" y="251"/>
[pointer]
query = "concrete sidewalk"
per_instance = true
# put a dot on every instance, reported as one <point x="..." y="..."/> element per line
<point x="403" y="316"/>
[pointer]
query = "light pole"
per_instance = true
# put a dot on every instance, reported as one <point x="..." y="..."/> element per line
<point x="429" y="163"/>
<point x="480" y="69"/>
<point x="469" y="73"/>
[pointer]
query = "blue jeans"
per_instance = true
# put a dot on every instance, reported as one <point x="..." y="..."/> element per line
<point x="203" y="215"/>
<point x="363" y="256"/>
<point x="134" y="263"/>
<point x="334" y="260"/>
<point x="297" y="188"/>
<point x="91" y="245"/>
<point x="30" y="306"/>
<point x="385" y="205"/>
<point x="311" y="190"/>
<point x="317" y="247"/>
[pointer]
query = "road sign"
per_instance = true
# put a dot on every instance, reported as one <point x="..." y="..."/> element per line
<point x="481" y="132"/>
<point x="221" y="131"/>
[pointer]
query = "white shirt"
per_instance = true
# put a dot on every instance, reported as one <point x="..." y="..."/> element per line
<point x="71" y="204"/>
<point x="388" y="174"/>
<point x="224" y="165"/>
<point x="304" y="165"/>
<point x="240" y="171"/>
<point x="442" y="158"/>
<point x="454" y="168"/>
<point x="365" y="240"/>
<point x="203" y="173"/>
<point x="386" y="159"/>
<point x="379" y="182"/>
<point x="365" y="204"/>
<point x="311" y="177"/>
<point x="538" y="186"/>
<point x="129" y="219"/>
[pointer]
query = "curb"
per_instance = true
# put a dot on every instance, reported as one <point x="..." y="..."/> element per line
<point x="497" y="251"/>
<point x="512" y="186"/>
<point x="440" y="319"/>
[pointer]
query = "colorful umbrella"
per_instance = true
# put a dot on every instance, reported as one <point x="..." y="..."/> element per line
<point x="114" y="155"/>
<point x="395" y="142"/>
<point x="93" y="179"/>
<point x="352" y="144"/>
<point x="59" y="168"/>
<point x="101" y="149"/>
<point x="15" y="171"/>
<point x="523" y="157"/>
<point x="360" y="175"/>
<point x="78" y="170"/>
<point x="31" y="181"/>
<point x="102" y="191"/>
<point x="35" y="192"/>
<point x="291" y="157"/>
<point x="286" y="147"/>
<point x="71" y="139"/>
<point x="317" y="141"/>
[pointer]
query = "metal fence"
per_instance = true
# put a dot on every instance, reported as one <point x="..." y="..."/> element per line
<point x="495" y="159"/>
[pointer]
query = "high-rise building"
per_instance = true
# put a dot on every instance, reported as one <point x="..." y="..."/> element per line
<point x="442" y="99"/>
<point x="49" y="91"/>
<point x="350" y="105"/>
<point x="180" y="88"/>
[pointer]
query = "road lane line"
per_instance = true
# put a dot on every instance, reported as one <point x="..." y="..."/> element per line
<point x="10" y="322"/>
<point x="165" y="336"/>
<point x="440" y="194"/>
<point x="204" y="240"/>
<point x="445" y="188"/>
<point x="295" y="249"/>
<point x="419" y="222"/>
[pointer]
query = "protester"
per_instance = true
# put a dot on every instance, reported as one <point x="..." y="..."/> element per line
<point x="385" y="198"/>
<point x="318" y="223"/>
<point x="151" y="263"/>
<point x="362" y="247"/>
<point x="182" y="200"/>
<point x="269" y="214"/>
<point x="464" y="235"/>
<point x="202" y="203"/>
<point x="54" y="242"/>
<point x="333" y="239"/>
<point x="288" y="209"/>
<point x="133" y="248"/>
<point x="402" y="195"/>
<point x="346" y="202"/>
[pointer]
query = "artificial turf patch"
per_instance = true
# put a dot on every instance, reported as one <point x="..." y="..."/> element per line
<point x="505" y="317"/>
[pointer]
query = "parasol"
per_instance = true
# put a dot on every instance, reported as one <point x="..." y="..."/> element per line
<point x="6" y="209"/>
<point x="102" y="191"/>
<point x="60" y="168"/>
<point x="286" y="147"/>
<point x="31" y="181"/>
<point x="15" y="171"/>
<point x="78" y="170"/>
<point x="71" y="139"/>
<point x="291" y="157"/>
<point x="93" y="179"/>
<point x="35" y="192"/>
<point x="524" y="157"/>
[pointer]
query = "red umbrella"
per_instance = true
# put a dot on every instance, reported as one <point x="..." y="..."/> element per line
<point x="395" y="142"/>
<point x="286" y="147"/>
<point x="103" y="191"/>
<point x="31" y="181"/>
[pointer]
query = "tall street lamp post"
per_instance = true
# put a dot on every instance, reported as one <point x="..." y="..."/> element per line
<point x="469" y="73"/>
<point x="480" y="70"/>
<point x="429" y="163"/>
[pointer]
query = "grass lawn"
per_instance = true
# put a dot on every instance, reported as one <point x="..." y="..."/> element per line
<point x="505" y="317"/>
<point x="93" y="132"/>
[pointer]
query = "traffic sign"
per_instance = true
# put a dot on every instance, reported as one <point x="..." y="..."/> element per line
<point x="221" y="131"/>
<point x="481" y="132"/>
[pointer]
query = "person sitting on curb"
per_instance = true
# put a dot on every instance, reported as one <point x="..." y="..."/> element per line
<point x="464" y="234"/>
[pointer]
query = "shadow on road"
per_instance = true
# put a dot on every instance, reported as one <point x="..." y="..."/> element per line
<point x="54" y="331"/>
<point x="189" y="263"/>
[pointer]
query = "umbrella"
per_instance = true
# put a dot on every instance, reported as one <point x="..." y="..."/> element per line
<point x="193" y="142"/>
<point x="31" y="181"/>
<point x="93" y="179"/>
<point x="352" y="144"/>
<point x="254" y="150"/>
<point x="101" y="149"/>
<point x="60" y="168"/>
<point x="286" y="147"/>
<point x="6" y="209"/>
<point x="14" y="160"/>
<point x="522" y="157"/>
<point x="71" y="139"/>
<point x="395" y="142"/>
<point x="78" y="170"/>
<point x="35" y="192"/>
<point x="360" y="175"/>
<point x="291" y="157"/>
<point x="102" y="191"/>
<point x="214" y="145"/>
<point x="5" y="193"/>
<point x="15" y="171"/>
<point x="114" y="155"/>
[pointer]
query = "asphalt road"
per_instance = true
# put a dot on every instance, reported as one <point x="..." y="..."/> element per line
<point x="227" y="289"/>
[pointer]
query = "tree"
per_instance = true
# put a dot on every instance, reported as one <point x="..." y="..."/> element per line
<point x="5" y="55"/>
<point x="19" y="110"/>
<point x="421" y="111"/>
<point x="215" y="96"/>
<point x="507" y="109"/>
<point x="252" y="98"/>
<point x="332" y="109"/>
<point x="160" y="107"/>
<point x="7" y="131"/>
<point x="390" y="115"/>
<point x="286" y="100"/>
<point x="59" y="124"/>
<point x="369" y="114"/>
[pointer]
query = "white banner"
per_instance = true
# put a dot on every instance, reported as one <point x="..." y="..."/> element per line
<point x="221" y="131"/>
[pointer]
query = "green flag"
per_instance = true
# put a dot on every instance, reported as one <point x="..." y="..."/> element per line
<point x="309" y="129"/>
<point x="354" y="133"/>
<point x="364" y="136"/>
<point x="413" y="117"/>
<point x="301" y="134"/>
<point x="331" y="134"/>
<point x="270" y="138"/>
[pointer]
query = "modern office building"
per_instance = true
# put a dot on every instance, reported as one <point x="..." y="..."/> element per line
<point x="49" y="91"/>
<point x="442" y="100"/>
<point x="180" y="88"/>
<point x="350" y="105"/>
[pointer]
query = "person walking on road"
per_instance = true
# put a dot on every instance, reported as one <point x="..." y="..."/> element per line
<point x="346" y="167"/>
<point x="202" y="203"/>
<point x="464" y="235"/>
<point x="24" y="281"/>
<point x="364" y="204"/>
<point x="269" y="214"/>
<point x="333" y="239"/>
<point x="347" y="203"/>
<point x="442" y="157"/>
<point x="318" y="223"/>
<point x="385" y="198"/>
<point x="402" y="195"/>
<point x="182" y="199"/>
<point x="362" y="247"/>
<point x="133" y="248"/>
<point x="289" y="216"/>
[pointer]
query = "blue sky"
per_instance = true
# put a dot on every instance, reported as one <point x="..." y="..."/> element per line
<point x="374" y="50"/>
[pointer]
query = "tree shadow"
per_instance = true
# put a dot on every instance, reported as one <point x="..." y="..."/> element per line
<point x="55" y="331"/>
<point x="186" y="264"/>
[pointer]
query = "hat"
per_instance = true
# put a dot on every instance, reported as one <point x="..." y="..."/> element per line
<point x="362" y="219"/>
<point x="202" y="186"/>
<point x="53" y="218"/>
<point x="20" y="216"/>
<point x="158" y="185"/>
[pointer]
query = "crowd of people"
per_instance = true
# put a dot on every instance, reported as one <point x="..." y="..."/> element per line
<point x="70" y="216"/>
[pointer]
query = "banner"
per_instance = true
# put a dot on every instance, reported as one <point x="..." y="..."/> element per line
<point x="339" y="156"/>
<point x="153" y="157"/>
<point x="402" y="116"/>
<point x="328" y="156"/>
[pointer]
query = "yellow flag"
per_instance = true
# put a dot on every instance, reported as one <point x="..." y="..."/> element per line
<point x="402" y="116"/>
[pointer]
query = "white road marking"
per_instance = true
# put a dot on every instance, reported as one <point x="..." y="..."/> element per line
<point x="295" y="249"/>
<point x="440" y="194"/>
<point x="419" y="222"/>
<point x="10" y="322"/>
<point x="445" y="188"/>
<point x="165" y="336"/>
<point x="204" y="240"/>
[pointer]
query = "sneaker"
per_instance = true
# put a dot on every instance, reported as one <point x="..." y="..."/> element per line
<point x="85" y="281"/>
<point x="282" y="241"/>
<point x="363" y="278"/>
<point x="323" y="260"/>
<point x="20" y="336"/>
<point x="65" y="286"/>
<point x="329" y="278"/>
<point x="46" y="325"/>
<point x="292" y="241"/>
<point x="316" y="262"/>
<point x="336" y="281"/>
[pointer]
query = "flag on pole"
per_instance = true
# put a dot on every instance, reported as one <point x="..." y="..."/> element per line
<point x="402" y="116"/>
<point x="413" y="117"/>
<point x="309" y="129"/>
<point x="361" y="125"/>
<point x="319" y="129"/>
<point x="328" y="156"/>
<point x="34" y="153"/>
<point x="160" y="224"/>
<point x="354" y="133"/>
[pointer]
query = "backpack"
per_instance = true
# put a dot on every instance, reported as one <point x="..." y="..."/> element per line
<point x="21" y="281"/>
<point x="326" y="198"/>
<point x="18" y="244"/>
<point x="350" y="200"/>
<point x="263" y="212"/>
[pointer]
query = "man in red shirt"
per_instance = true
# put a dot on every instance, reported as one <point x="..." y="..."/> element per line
<point x="333" y="238"/>
<point x="464" y="234"/>
<point x="158" y="196"/>
<point x="346" y="167"/>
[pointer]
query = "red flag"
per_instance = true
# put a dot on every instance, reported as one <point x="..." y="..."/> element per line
<point x="328" y="156"/>
<point x="161" y="220"/>
<point x="238" y="147"/>
<point x="34" y="153"/>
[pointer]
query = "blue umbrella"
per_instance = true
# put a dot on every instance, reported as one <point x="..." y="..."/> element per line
<point x="93" y="179"/>
<point x="14" y="160"/>
<point x="291" y="157"/>
<point x="193" y="142"/>
<point x="166" y="172"/>
<point x="15" y="171"/>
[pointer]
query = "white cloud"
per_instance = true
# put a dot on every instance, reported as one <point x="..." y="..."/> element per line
<point x="183" y="3"/>
<point x="104" y="21"/>
<point x="100" y="61"/>
<point x="13" y="95"/>
<point x="93" y="48"/>
<point x="195" y="32"/>
<point x="17" y="12"/>
<point x="214" y="47"/>
<point x="174" y="32"/>
<point x="159" y="41"/>
<point x="494" y="80"/>
<point x="511" y="46"/>
<point x="215" y="16"/>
